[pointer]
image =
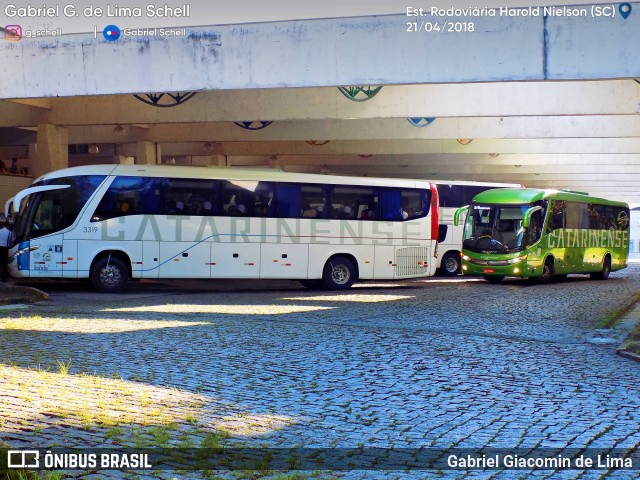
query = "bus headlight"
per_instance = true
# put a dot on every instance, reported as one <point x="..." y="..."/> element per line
<point x="517" y="260"/>
<point x="25" y="250"/>
<point x="466" y="258"/>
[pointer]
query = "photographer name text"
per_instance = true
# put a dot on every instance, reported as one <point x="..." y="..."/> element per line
<point x="91" y="11"/>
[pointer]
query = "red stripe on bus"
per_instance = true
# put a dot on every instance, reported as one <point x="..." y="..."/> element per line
<point x="435" y="213"/>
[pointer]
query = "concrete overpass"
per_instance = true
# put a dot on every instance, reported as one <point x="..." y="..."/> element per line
<point x="548" y="101"/>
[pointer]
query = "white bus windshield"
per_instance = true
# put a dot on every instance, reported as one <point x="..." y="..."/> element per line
<point x="50" y="211"/>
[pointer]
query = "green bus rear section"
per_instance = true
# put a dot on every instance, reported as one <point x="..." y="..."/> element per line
<point x="581" y="250"/>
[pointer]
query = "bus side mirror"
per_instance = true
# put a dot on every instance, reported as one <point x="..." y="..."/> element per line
<point x="8" y="207"/>
<point x="456" y="216"/>
<point x="526" y="219"/>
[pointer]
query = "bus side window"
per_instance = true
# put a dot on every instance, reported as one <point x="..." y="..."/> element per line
<point x="556" y="215"/>
<point x="533" y="233"/>
<point x="288" y="196"/>
<point x="576" y="215"/>
<point x="595" y="217"/>
<point x="129" y="196"/>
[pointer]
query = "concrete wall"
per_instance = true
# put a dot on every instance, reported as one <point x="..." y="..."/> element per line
<point x="10" y="185"/>
<point x="329" y="52"/>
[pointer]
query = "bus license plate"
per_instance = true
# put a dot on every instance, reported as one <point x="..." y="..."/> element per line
<point x="488" y="270"/>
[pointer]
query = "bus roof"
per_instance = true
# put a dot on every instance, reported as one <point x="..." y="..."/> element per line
<point x="470" y="183"/>
<point x="231" y="173"/>
<point x="518" y="196"/>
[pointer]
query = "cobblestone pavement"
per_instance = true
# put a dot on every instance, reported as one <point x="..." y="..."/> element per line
<point x="444" y="363"/>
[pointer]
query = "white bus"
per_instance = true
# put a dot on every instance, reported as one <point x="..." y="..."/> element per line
<point x="111" y="223"/>
<point x="453" y="195"/>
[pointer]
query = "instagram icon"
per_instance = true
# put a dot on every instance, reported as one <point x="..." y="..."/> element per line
<point x="12" y="33"/>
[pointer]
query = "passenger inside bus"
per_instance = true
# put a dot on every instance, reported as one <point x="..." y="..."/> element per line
<point x="309" y="212"/>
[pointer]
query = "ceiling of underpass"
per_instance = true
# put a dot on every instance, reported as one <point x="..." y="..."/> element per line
<point x="578" y="135"/>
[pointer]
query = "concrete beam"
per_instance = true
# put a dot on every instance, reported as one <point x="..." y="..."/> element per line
<point x="327" y="52"/>
<point x="44" y="103"/>
<point x="17" y="115"/>
<point x="570" y="126"/>
<point x="460" y="162"/>
<point x="447" y="100"/>
<point x="427" y="147"/>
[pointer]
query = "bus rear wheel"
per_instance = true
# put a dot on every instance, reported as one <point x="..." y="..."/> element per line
<point x="450" y="264"/>
<point x="339" y="274"/>
<point x="109" y="275"/>
<point x="606" y="270"/>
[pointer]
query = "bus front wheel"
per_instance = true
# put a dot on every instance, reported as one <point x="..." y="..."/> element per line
<point x="339" y="274"/>
<point x="109" y="274"/>
<point x="606" y="269"/>
<point x="547" y="271"/>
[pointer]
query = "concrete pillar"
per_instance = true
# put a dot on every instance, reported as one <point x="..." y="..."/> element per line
<point x="52" y="151"/>
<point x="124" y="160"/>
<point x="32" y="158"/>
<point x="219" y="160"/>
<point x="147" y="153"/>
<point x="214" y="160"/>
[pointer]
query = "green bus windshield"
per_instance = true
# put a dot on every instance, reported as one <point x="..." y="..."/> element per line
<point x="499" y="229"/>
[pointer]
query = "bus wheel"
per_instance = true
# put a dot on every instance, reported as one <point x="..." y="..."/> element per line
<point x="606" y="269"/>
<point x="339" y="274"/>
<point x="450" y="264"/>
<point x="547" y="271"/>
<point x="311" y="284"/>
<point x="493" y="278"/>
<point x="109" y="274"/>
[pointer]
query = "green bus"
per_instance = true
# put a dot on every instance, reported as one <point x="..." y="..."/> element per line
<point x="525" y="232"/>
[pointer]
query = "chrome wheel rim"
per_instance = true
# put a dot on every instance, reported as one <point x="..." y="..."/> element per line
<point x="110" y="276"/>
<point x="340" y="274"/>
<point x="451" y="265"/>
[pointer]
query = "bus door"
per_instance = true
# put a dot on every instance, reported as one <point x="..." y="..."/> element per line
<point x="38" y="221"/>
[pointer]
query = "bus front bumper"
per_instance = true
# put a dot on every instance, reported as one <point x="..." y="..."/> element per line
<point x="515" y="267"/>
<point x="19" y="260"/>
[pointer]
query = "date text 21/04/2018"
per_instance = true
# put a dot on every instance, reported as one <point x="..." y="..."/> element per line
<point x="440" y="27"/>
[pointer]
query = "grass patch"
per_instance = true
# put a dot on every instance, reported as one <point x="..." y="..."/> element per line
<point x="17" y="294"/>
<point x="614" y="317"/>
<point x="63" y="367"/>
<point x="632" y="344"/>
